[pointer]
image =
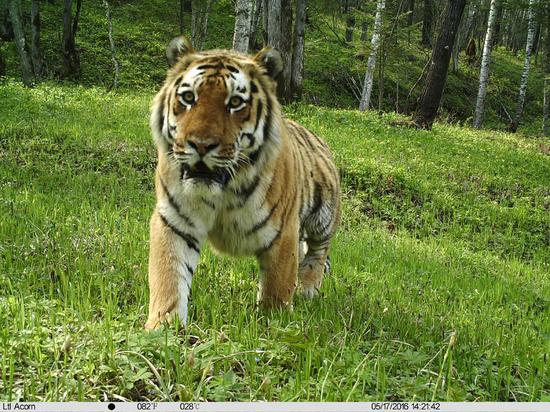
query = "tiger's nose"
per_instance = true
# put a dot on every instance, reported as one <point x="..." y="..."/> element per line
<point x="201" y="148"/>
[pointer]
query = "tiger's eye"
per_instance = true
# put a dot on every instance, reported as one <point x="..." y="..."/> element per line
<point x="188" y="97"/>
<point x="235" y="102"/>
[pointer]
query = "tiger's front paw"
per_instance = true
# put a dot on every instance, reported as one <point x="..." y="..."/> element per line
<point x="310" y="290"/>
<point x="156" y="321"/>
<point x="273" y="303"/>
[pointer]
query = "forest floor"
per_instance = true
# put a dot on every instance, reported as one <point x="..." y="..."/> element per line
<point x="439" y="288"/>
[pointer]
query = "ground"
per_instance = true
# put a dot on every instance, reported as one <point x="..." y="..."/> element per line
<point x="439" y="288"/>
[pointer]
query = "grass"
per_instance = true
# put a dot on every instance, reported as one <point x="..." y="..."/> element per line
<point x="440" y="271"/>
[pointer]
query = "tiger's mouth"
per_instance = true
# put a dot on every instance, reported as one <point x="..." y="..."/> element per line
<point x="202" y="173"/>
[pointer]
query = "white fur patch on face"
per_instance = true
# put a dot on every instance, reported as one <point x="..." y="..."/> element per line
<point x="193" y="76"/>
<point x="238" y="84"/>
<point x="246" y="140"/>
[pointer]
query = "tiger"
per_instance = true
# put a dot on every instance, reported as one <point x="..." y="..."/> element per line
<point x="234" y="172"/>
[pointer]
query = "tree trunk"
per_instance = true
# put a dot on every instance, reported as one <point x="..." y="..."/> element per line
<point x="498" y="24"/>
<point x="274" y="17"/>
<point x="546" y="101"/>
<point x="517" y="39"/>
<point x="278" y="36"/>
<point x="381" y="78"/>
<point x="526" y="67"/>
<point x="471" y="24"/>
<point x="185" y="8"/>
<point x="350" y="25"/>
<point x="298" y="55"/>
<point x="6" y="29"/>
<point x="2" y="64"/>
<point x="485" y="61"/>
<point x="71" y="59"/>
<point x="364" y="104"/>
<point x="20" y="42"/>
<point x="243" y="23"/>
<point x="437" y="74"/>
<point x="364" y="31"/>
<point x="286" y="48"/>
<point x="112" y="43"/>
<point x="199" y="21"/>
<point x="36" y="50"/>
<point x="427" y="24"/>
<point x="536" y="38"/>
<point x="265" y="19"/>
<point x="256" y="17"/>
<point x="410" y="17"/>
<point x="76" y="18"/>
<point x="461" y="38"/>
<point x="410" y="20"/>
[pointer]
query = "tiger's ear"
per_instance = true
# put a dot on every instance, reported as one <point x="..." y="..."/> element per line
<point x="179" y="46"/>
<point x="271" y="59"/>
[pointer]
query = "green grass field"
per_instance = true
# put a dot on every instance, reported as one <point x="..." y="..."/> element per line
<point x="440" y="283"/>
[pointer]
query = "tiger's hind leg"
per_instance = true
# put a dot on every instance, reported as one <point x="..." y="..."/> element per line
<point x="313" y="266"/>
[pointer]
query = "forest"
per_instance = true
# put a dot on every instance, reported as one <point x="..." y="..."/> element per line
<point x="437" y="114"/>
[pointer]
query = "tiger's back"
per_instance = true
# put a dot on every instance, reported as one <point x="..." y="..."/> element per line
<point x="234" y="172"/>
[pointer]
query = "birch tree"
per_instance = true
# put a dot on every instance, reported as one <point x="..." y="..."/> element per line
<point x="243" y="22"/>
<point x="485" y="61"/>
<point x="531" y="26"/>
<point x="371" y="63"/>
<point x="112" y="43"/>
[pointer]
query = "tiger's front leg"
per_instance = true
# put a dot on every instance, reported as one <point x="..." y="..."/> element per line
<point x="279" y="265"/>
<point x="173" y="258"/>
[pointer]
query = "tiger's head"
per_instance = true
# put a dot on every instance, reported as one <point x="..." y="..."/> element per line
<point x="215" y="110"/>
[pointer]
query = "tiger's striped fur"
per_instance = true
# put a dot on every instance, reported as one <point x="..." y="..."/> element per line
<point x="233" y="171"/>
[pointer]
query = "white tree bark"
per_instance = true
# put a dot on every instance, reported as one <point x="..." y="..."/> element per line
<point x="526" y="66"/>
<point x="375" y="43"/>
<point x="485" y="61"/>
<point x="243" y="21"/>
<point x="112" y="43"/>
